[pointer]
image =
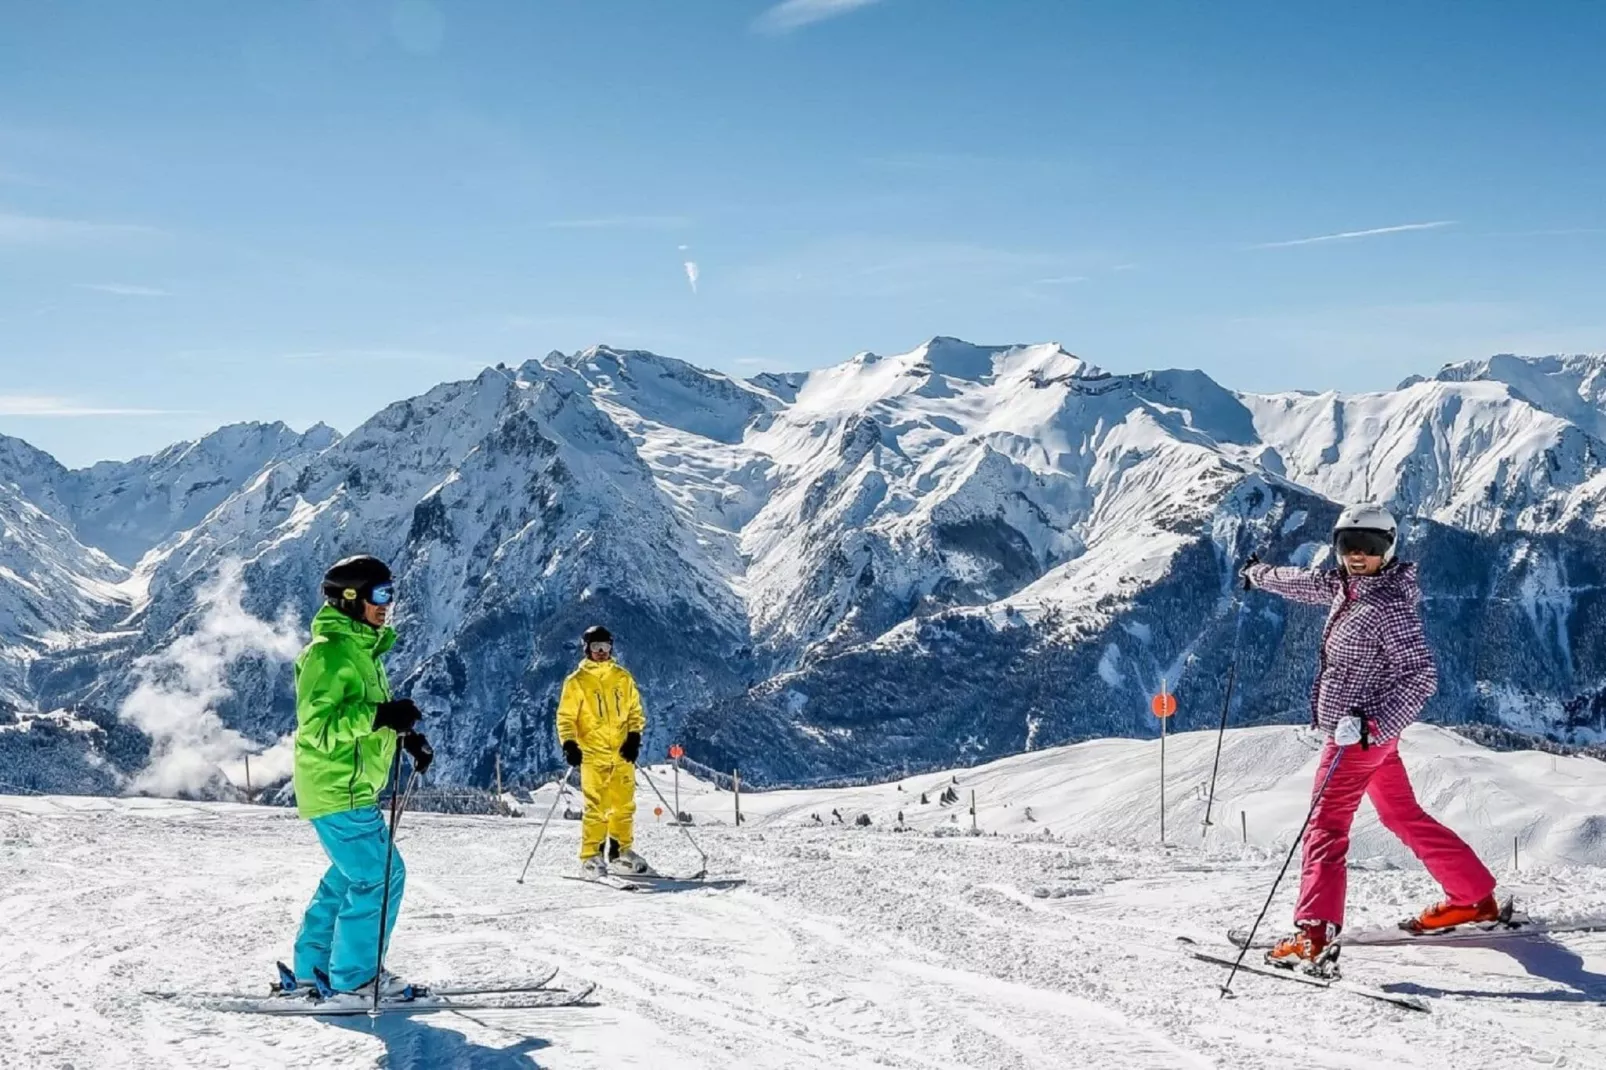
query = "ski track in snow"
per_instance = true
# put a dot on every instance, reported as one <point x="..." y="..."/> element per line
<point x="848" y="948"/>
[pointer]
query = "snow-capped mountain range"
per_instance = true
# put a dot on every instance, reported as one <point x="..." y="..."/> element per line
<point x="947" y="554"/>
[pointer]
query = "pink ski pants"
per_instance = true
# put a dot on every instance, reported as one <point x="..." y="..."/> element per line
<point x="1378" y="773"/>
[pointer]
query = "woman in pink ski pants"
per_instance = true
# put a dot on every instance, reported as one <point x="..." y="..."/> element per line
<point x="1375" y="665"/>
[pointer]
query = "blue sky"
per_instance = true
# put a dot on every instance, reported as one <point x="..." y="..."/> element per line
<point x="305" y="210"/>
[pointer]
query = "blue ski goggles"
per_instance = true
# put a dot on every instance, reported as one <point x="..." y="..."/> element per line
<point x="382" y="594"/>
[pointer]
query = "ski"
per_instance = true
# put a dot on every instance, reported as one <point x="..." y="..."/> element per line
<point x="660" y="884"/>
<point x="700" y="880"/>
<point x="543" y="999"/>
<point x="537" y="984"/>
<point x="1512" y="924"/>
<point x="1408" y="1002"/>
<point x="490" y="989"/>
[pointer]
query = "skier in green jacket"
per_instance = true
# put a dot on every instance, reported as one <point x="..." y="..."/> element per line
<point x="347" y="727"/>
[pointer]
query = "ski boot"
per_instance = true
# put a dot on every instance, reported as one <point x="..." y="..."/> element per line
<point x="392" y="989"/>
<point x="629" y="864"/>
<point x="395" y="988"/>
<point x="1446" y="915"/>
<point x="1312" y="949"/>
<point x="593" y="868"/>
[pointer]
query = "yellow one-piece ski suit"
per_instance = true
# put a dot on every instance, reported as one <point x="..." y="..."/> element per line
<point x="598" y="708"/>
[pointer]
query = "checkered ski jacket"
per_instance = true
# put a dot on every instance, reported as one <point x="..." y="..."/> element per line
<point x="1374" y="656"/>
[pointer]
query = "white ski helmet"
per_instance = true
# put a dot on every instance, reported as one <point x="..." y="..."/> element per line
<point x="1371" y="528"/>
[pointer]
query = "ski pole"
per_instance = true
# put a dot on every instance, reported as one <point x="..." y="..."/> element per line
<point x="1226" y="705"/>
<point x="701" y="873"/>
<point x="562" y="783"/>
<point x="1221" y="731"/>
<point x="390" y="853"/>
<point x="1226" y="989"/>
<point x="407" y="796"/>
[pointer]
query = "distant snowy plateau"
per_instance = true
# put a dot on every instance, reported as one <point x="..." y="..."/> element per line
<point x="933" y="558"/>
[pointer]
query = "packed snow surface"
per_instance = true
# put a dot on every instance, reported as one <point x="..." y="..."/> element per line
<point x="1046" y="941"/>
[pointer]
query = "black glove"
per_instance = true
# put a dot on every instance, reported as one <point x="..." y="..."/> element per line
<point x="1366" y="726"/>
<point x="399" y="716"/>
<point x="571" y="752"/>
<point x="630" y="749"/>
<point x="419" y="749"/>
<point x="1243" y="573"/>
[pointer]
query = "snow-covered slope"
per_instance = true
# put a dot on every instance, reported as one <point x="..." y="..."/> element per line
<point x="1552" y="807"/>
<point x="961" y="476"/>
<point x="1498" y="444"/>
<point x="126" y="508"/>
<point x="690" y="427"/>
<point x="35" y="475"/>
<point x="1571" y="387"/>
<point x="515" y="513"/>
<point x="54" y="592"/>
<point x="1037" y="945"/>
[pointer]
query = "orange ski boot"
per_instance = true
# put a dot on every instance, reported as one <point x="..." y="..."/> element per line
<point x="1312" y="949"/>
<point x="1447" y="915"/>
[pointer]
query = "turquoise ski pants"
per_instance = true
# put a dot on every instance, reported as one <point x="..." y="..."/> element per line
<point x="340" y="931"/>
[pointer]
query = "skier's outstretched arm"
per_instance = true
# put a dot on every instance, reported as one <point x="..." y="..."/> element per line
<point x="330" y="709"/>
<point x="1311" y="585"/>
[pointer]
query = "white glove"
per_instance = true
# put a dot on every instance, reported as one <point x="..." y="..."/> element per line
<point x="1348" y="731"/>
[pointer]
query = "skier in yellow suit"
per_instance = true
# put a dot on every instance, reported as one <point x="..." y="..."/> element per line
<point x="600" y="722"/>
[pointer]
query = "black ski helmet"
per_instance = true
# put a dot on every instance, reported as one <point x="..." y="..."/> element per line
<point x="350" y="581"/>
<point x="595" y="634"/>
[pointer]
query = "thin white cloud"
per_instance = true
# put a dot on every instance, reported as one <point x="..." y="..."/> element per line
<point x="18" y="229"/>
<point x="692" y="274"/>
<point x="47" y="405"/>
<point x="623" y="222"/>
<point x="1060" y="280"/>
<point x="123" y="289"/>
<point x="790" y="15"/>
<point x="1350" y="234"/>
